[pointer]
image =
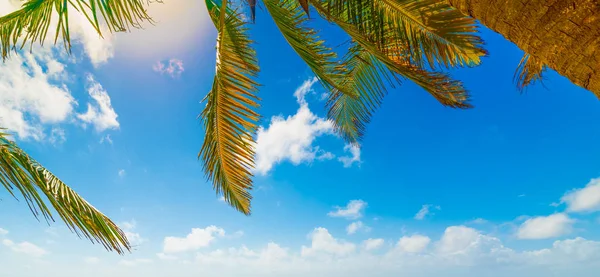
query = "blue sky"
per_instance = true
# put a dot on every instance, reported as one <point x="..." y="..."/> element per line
<point x="505" y="188"/>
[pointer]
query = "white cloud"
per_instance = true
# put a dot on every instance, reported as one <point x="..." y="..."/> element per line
<point x="586" y="199"/>
<point x="461" y="252"/>
<point x="322" y="242"/>
<point x="134" y="238"/>
<point x="33" y="86"/>
<point x="325" y="156"/>
<point x="172" y="67"/>
<point x="356" y="226"/>
<point x="121" y="172"/>
<point x="101" y="114"/>
<point x="91" y="260"/>
<point x="3" y="232"/>
<point x="424" y="211"/>
<point x="466" y="244"/>
<point x="135" y="262"/>
<point x="372" y="244"/>
<point x="106" y="139"/>
<point x="348" y="161"/>
<point x="305" y="89"/>
<point x="25" y="247"/>
<point x="413" y="244"/>
<point x="129" y="228"/>
<point x="544" y="227"/>
<point x="128" y="225"/>
<point x="567" y="251"/>
<point x="98" y="49"/>
<point x="166" y="257"/>
<point x="57" y="136"/>
<point x="197" y="239"/>
<point x="353" y="210"/>
<point x="270" y="258"/>
<point x="291" y="138"/>
<point x="31" y="96"/>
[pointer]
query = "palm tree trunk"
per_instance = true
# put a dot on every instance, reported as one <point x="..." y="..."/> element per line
<point x="563" y="34"/>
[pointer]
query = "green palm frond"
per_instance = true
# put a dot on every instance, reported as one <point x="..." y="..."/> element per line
<point x="367" y="76"/>
<point x="447" y="91"/>
<point x="32" y="22"/>
<point x="229" y="116"/>
<point x="432" y="30"/>
<point x="19" y="172"/>
<point x="529" y="71"/>
<point x="290" y="18"/>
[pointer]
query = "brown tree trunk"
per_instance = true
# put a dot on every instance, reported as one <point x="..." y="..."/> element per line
<point x="564" y="34"/>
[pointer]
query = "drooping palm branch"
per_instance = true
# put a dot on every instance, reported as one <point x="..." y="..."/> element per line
<point x="291" y="20"/>
<point x="368" y="79"/>
<point x="392" y="39"/>
<point x="19" y="173"/>
<point x="229" y="116"/>
<point x="431" y="31"/>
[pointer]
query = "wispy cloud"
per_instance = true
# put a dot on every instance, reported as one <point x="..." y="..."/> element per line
<point x="25" y="247"/>
<point x="425" y="211"/>
<point x="100" y="114"/>
<point x="354" y="157"/>
<point x="172" y="67"/>
<point x="353" y="210"/>
<point x="106" y="139"/>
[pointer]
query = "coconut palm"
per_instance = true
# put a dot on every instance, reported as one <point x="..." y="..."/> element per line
<point x="390" y="40"/>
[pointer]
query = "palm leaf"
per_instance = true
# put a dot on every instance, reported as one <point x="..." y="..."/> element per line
<point x="367" y="76"/>
<point x="32" y="22"/>
<point x="229" y="116"/>
<point x="529" y="71"/>
<point x="19" y="172"/>
<point x="447" y="91"/>
<point x="290" y="19"/>
<point x="432" y="30"/>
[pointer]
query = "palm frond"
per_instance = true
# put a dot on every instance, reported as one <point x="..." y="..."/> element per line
<point x="32" y="22"/>
<point x="367" y="76"/>
<point x="290" y="19"/>
<point x="229" y="116"/>
<point x="19" y="172"/>
<point x="432" y="30"/>
<point x="447" y="91"/>
<point x="529" y="71"/>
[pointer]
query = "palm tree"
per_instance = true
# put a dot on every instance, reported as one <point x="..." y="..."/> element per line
<point x="391" y="40"/>
<point x="563" y="35"/>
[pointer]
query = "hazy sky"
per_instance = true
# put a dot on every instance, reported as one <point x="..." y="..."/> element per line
<point x="504" y="189"/>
